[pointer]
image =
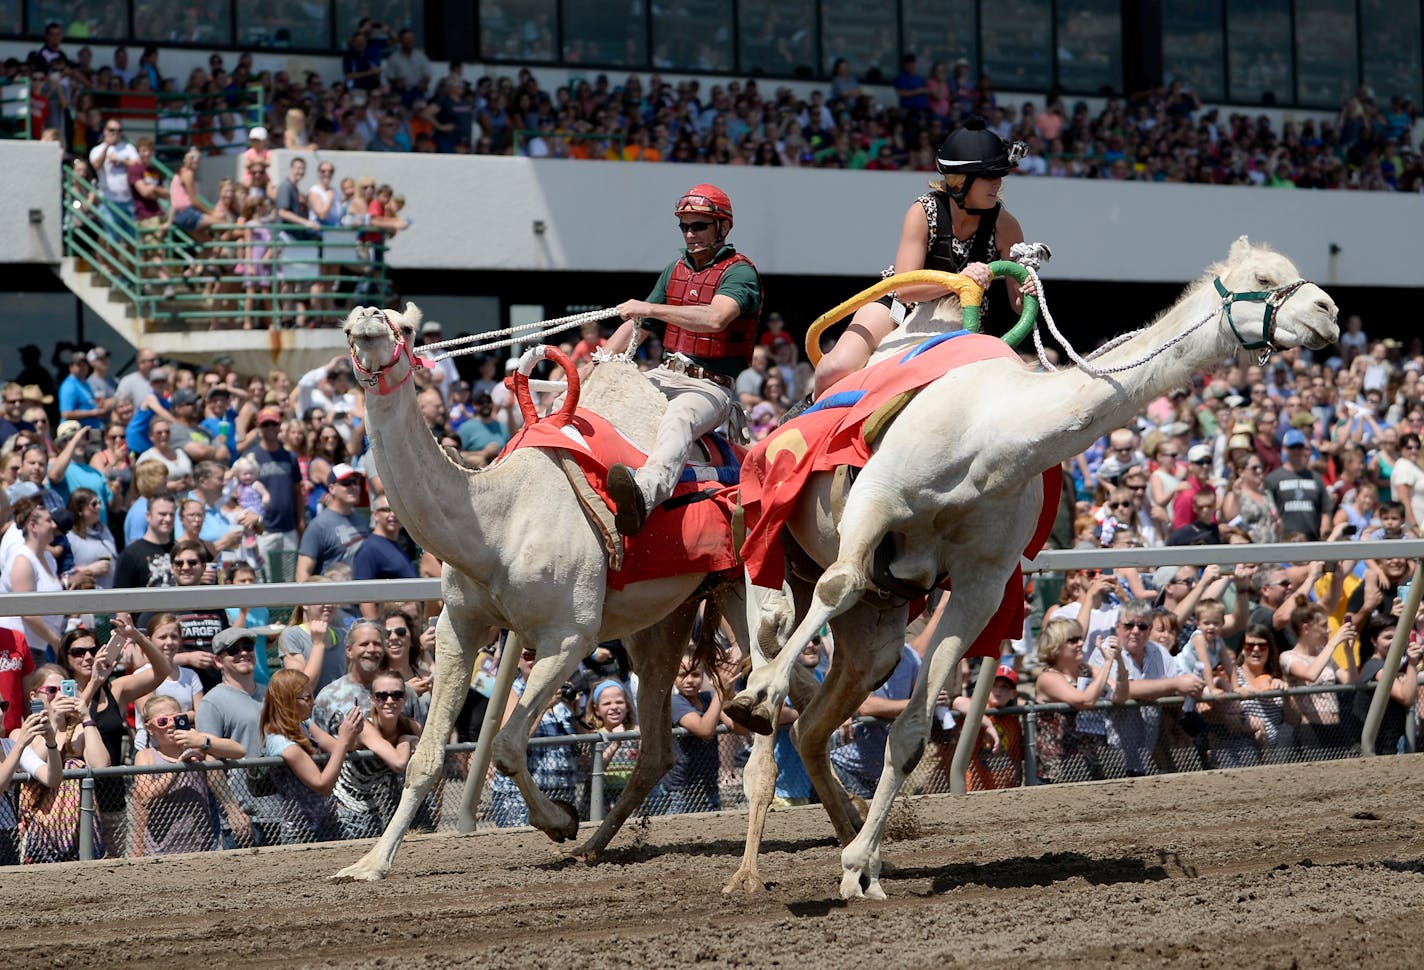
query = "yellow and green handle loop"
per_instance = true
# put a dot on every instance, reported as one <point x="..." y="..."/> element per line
<point x="971" y="298"/>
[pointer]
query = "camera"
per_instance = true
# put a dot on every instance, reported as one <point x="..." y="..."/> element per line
<point x="181" y="722"/>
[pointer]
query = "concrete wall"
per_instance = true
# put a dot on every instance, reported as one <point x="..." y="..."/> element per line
<point x="31" y="183"/>
<point x="481" y="212"/>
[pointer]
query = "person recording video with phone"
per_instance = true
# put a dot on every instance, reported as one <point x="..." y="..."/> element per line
<point x="49" y="814"/>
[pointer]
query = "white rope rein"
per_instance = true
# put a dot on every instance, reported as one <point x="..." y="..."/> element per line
<point x="1029" y="255"/>
<point x="522" y="333"/>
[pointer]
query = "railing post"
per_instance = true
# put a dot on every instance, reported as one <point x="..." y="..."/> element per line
<point x="969" y="733"/>
<point x="86" y="817"/>
<point x="595" y="780"/>
<point x="1031" y="744"/>
<point x="1391" y="664"/>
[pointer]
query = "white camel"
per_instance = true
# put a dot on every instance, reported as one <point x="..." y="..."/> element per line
<point x="519" y="554"/>
<point x="956" y="483"/>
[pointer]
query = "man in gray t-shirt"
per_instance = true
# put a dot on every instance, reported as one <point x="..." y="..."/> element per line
<point x="297" y="643"/>
<point x="231" y="714"/>
<point x="336" y="533"/>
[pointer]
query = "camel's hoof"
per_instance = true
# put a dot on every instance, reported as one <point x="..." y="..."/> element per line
<point x="362" y="871"/>
<point x="588" y="853"/>
<point x="746" y="881"/>
<point x="569" y="829"/>
<point x="748" y="709"/>
<point x="851" y="885"/>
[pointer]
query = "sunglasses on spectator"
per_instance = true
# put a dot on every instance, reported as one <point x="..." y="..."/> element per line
<point x="1136" y="625"/>
<point x="88" y="651"/>
<point x="382" y="696"/>
<point x="164" y="720"/>
<point x="1283" y="584"/>
<point x="1074" y="640"/>
<point x="50" y="689"/>
<point x="1119" y="505"/>
<point x="187" y="563"/>
<point x="398" y="631"/>
<point x="1202" y="461"/>
<point x="1168" y="454"/>
<point x="241" y="646"/>
<point x="694" y="226"/>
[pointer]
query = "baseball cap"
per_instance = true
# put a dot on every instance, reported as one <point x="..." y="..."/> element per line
<point x="1199" y="453"/>
<point x="430" y="326"/>
<point x="257" y="133"/>
<point x="1295" y="438"/>
<point x="66" y="430"/>
<point x="183" y="396"/>
<point x="231" y="636"/>
<point x="269" y="414"/>
<point x="341" y="473"/>
<point x="1008" y="673"/>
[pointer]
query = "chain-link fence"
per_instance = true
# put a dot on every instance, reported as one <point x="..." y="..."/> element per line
<point x="161" y="809"/>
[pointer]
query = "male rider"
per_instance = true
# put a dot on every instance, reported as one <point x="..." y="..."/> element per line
<point x="705" y="307"/>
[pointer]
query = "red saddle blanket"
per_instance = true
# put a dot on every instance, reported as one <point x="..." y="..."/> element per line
<point x="690" y="533"/>
<point x="776" y="470"/>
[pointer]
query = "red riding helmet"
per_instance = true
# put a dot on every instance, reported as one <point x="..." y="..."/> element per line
<point x="706" y="199"/>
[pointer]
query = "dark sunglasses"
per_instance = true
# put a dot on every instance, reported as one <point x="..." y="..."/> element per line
<point x="269" y="424"/>
<point x="186" y="563"/>
<point x="1136" y="625"/>
<point x="382" y="696"/>
<point x="235" y="649"/>
<point x="398" y="631"/>
<point x="694" y="226"/>
<point x="1202" y="461"/>
<point x="50" y="690"/>
<point x="1120" y="505"/>
<point x="83" y="651"/>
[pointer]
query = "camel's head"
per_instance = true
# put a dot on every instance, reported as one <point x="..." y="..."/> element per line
<point x="1268" y="305"/>
<point x="379" y="340"/>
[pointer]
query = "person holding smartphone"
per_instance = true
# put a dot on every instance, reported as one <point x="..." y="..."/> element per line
<point x="179" y="802"/>
<point x="18" y="754"/>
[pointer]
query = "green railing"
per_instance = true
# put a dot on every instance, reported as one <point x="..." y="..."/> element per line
<point x="225" y="276"/>
<point x="15" y="109"/>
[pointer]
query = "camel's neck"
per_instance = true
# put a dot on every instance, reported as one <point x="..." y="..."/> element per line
<point x="1078" y="408"/>
<point x="430" y="493"/>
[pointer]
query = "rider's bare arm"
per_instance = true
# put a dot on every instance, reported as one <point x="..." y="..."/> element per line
<point x="711" y="318"/>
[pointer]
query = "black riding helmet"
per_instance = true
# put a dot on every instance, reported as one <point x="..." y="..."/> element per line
<point x="972" y="150"/>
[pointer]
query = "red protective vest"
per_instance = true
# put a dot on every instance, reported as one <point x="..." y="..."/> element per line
<point x="689" y="287"/>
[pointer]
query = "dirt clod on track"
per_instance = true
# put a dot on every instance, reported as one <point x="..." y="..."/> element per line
<point x="1317" y="865"/>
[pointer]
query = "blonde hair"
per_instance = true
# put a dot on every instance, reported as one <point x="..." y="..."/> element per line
<point x="1053" y="636"/>
<point x="150" y="477"/>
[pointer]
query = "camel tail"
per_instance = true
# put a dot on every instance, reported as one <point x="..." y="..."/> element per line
<point x="706" y="653"/>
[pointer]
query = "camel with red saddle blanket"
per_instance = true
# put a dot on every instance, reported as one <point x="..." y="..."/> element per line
<point x="522" y="552"/>
<point x="953" y="488"/>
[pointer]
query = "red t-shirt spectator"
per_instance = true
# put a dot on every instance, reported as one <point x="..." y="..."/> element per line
<point x="16" y="664"/>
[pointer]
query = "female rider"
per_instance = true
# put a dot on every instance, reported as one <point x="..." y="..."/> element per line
<point x="959" y="226"/>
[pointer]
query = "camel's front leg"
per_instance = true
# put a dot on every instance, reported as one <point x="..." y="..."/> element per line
<point x="759" y="784"/>
<point x="758" y="707"/>
<point x="656" y="653"/>
<point x="561" y="653"/>
<point x="456" y="646"/>
<point x="970" y="608"/>
<point x="870" y="645"/>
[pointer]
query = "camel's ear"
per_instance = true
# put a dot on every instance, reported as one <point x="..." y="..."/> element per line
<point x="412" y="316"/>
<point x="1239" y="249"/>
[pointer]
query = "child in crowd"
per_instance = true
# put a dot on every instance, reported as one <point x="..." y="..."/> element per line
<point x="247" y="494"/>
<point x="1391" y="523"/>
<point x="998" y="761"/>
<point x="1207" y="654"/>
<point x="172" y="812"/>
<point x="691" y="785"/>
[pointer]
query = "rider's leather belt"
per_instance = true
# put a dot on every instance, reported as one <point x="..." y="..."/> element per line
<point x="682" y="364"/>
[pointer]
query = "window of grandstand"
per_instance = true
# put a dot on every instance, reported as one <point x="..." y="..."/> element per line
<point x="281" y="24"/>
<point x="1325" y="50"/>
<point x="1258" y="50"/>
<point x="1391" y="68"/>
<point x="183" y="21"/>
<point x="518" y="30"/>
<point x="777" y="36"/>
<point x="605" y="32"/>
<point x="695" y="34"/>
<point x="1193" y="46"/>
<point x="1090" y="45"/>
<point x="942" y="31"/>
<point x="1018" y="45"/>
<point x="396" y="15"/>
<point x="861" y="34"/>
<point x="81" y="19"/>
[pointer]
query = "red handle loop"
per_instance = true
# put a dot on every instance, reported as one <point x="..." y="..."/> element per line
<point x="565" y="414"/>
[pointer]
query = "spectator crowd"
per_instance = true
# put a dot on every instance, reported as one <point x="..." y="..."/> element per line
<point x="390" y="97"/>
<point x="183" y="475"/>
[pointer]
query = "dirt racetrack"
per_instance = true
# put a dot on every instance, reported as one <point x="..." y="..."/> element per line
<point x="1311" y="865"/>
